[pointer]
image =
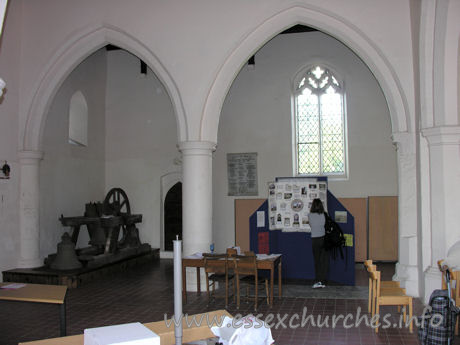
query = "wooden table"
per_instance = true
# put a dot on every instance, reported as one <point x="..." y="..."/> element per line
<point x="39" y="293"/>
<point x="189" y="334"/>
<point x="262" y="264"/>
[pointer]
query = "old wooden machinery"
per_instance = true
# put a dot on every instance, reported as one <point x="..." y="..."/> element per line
<point x="112" y="231"/>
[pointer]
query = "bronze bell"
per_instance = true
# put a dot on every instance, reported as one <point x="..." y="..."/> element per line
<point x="98" y="237"/>
<point x="66" y="258"/>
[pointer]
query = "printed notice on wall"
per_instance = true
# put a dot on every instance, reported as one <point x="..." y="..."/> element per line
<point x="340" y="216"/>
<point x="242" y="174"/>
<point x="260" y="219"/>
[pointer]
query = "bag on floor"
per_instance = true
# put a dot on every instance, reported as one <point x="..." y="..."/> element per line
<point x="437" y="326"/>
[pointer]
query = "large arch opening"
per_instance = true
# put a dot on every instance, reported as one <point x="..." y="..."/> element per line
<point x="72" y="52"/>
<point x="257" y="116"/>
<point x="329" y="23"/>
<point x="398" y="116"/>
<point x="132" y="137"/>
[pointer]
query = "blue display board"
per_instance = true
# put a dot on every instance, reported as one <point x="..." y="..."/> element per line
<point x="297" y="251"/>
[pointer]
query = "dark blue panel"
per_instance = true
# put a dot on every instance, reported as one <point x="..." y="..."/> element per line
<point x="296" y="247"/>
<point x="297" y="255"/>
<point x="342" y="271"/>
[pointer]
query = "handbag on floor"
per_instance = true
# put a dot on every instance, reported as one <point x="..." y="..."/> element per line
<point x="437" y="325"/>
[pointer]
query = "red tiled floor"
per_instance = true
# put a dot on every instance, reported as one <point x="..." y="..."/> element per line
<point x="145" y="294"/>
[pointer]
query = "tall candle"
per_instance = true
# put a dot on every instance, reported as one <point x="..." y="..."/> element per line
<point x="178" y="290"/>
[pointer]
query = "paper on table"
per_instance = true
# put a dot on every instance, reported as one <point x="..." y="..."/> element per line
<point x="13" y="286"/>
<point x="266" y="256"/>
<point x="194" y="256"/>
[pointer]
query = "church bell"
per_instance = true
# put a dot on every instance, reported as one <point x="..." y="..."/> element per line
<point x="66" y="257"/>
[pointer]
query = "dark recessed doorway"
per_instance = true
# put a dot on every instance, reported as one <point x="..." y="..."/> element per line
<point x="173" y="215"/>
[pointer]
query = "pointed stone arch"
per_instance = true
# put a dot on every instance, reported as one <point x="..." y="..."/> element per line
<point x="327" y="22"/>
<point x="402" y="121"/>
<point x="68" y="56"/>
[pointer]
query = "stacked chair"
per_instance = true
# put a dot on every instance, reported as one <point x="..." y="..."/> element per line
<point x="217" y="270"/>
<point x="245" y="268"/>
<point x="386" y="293"/>
<point x="386" y="284"/>
<point x="241" y="270"/>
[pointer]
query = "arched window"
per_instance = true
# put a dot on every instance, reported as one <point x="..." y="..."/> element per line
<point x="78" y="120"/>
<point x="319" y="124"/>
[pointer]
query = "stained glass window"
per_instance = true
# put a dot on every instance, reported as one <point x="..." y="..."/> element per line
<point x="319" y="124"/>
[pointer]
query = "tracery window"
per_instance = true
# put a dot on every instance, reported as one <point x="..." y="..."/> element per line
<point x="319" y="123"/>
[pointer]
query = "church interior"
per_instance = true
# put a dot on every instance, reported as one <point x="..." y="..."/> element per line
<point x="125" y="115"/>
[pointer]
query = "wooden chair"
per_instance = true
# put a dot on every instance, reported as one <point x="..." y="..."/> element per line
<point x="388" y="297"/>
<point x="216" y="268"/>
<point x="245" y="268"/>
<point x="455" y="286"/>
<point x="231" y="252"/>
<point x="385" y="285"/>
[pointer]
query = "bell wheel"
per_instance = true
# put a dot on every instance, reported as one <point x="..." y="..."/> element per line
<point x="116" y="203"/>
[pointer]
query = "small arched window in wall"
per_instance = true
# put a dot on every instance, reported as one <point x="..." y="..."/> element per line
<point x="319" y="124"/>
<point x="78" y="120"/>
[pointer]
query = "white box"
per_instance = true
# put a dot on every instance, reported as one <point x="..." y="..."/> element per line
<point x="126" y="334"/>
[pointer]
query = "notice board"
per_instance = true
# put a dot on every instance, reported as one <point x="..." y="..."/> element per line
<point x="290" y="201"/>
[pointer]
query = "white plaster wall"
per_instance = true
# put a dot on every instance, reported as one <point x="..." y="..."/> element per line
<point x="70" y="175"/>
<point x="9" y="198"/>
<point x="140" y="139"/>
<point x="256" y="117"/>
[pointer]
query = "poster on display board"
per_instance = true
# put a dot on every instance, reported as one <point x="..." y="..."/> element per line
<point x="289" y="202"/>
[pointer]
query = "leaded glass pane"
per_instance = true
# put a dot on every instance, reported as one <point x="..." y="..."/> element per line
<point x="302" y="82"/>
<point x="308" y="137"/>
<point x="318" y="72"/>
<point x="309" y="158"/>
<point x="332" y="145"/>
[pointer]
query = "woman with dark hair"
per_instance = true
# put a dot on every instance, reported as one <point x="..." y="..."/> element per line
<point x="317" y="221"/>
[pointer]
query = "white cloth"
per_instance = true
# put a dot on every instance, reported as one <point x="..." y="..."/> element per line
<point x="245" y="331"/>
<point x="453" y="257"/>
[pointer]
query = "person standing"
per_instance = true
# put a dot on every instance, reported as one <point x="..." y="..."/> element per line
<point x="317" y="221"/>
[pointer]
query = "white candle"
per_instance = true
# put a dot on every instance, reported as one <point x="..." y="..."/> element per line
<point x="178" y="290"/>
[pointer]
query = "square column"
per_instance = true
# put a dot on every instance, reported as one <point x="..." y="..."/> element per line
<point x="29" y="222"/>
<point x="407" y="266"/>
<point x="444" y="163"/>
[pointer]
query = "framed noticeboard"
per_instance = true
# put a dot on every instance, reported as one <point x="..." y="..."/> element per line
<point x="289" y="202"/>
<point x="242" y="174"/>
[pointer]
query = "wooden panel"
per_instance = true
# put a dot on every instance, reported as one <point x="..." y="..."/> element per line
<point x="358" y="208"/>
<point x="244" y="208"/>
<point x="383" y="228"/>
